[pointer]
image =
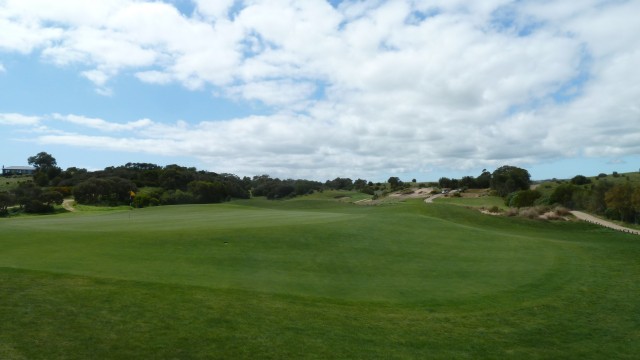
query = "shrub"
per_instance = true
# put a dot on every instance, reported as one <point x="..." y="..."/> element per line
<point x="494" y="209"/>
<point x="175" y="197"/>
<point x="512" y="212"/>
<point x="531" y="213"/>
<point x="64" y="190"/>
<point x="580" y="180"/>
<point x="35" y="206"/>
<point x="522" y="198"/>
<point x="144" y="200"/>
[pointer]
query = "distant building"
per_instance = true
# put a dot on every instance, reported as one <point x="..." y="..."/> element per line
<point x="18" y="170"/>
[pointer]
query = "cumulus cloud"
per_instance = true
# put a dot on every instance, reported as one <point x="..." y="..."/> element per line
<point x="19" y="119"/>
<point x="364" y="85"/>
<point x="101" y="124"/>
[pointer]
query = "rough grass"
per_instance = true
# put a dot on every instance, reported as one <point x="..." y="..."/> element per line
<point x="475" y="202"/>
<point x="315" y="279"/>
<point x="11" y="182"/>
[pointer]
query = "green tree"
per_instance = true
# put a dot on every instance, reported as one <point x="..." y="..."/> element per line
<point x="339" y="184"/>
<point x="208" y="192"/>
<point x="46" y="168"/>
<point x="619" y="200"/>
<point x="6" y="200"/>
<point x="507" y="179"/>
<point x="580" y="180"/>
<point x="33" y="199"/>
<point x="394" y="182"/>
<point x="523" y="198"/>
<point x="112" y="191"/>
<point x="469" y="182"/>
<point x="445" y="182"/>
<point x="359" y="184"/>
<point x="564" y="195"/>
<point x="175" y="177"/>
<point x="51" y="197"/>
<point x="483" y="181"/>
<point x="635" y="199"/>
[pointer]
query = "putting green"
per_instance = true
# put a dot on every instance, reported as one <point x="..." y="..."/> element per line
<point x="386" y="254"/>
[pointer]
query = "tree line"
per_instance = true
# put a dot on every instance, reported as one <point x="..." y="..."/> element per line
<point x="163" y="185"/>
<point x="174" y="184"/>
<point x="617" y="200"/>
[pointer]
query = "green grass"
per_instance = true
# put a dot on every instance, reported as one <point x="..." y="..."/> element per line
<point x="547" y="187"/>
<point x="313" y="278"/>
<point x="476" y="202"/>
<point x="11" y="182"/>
<point x="337" y="195"/>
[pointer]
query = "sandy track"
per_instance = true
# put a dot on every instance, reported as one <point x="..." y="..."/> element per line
<point x="67" y="204"/>
<point x="594" y="220"/>
<point x="430" y="199"/>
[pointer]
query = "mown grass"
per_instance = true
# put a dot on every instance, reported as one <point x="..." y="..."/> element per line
<point x="315" y="279"/>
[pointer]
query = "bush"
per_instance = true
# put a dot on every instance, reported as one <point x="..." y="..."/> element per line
<point x="175" y="197"/>
<point x="612" y="214"/>
<point x="523" y="198"/>
<point x="144" y="200"/>
<point x="66" y="191"/>
<point x="36" y="206"/>
<point x="531" y="213"/>
<point x="562" y="211"/>
<point x="580" y="180"/>
<point x="512" y="212"/>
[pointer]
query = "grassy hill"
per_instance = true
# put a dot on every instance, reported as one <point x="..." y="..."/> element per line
<point x="314" y="277"/>
<point x="547" y="186"/>
<point x="11" y="182"/>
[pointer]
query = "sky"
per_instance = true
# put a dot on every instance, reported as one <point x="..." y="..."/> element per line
<point x="318" y="89"/>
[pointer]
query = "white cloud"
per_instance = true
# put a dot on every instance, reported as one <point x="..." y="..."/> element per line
<point x="441" y="82"/>
<point x="19" y="119"/>
<point x="154" y="77"/>
<point x="2" y="69"/>
<point x="275" y="92"/>
<point x="103" y="125"/>
<point x="214" y="9"/>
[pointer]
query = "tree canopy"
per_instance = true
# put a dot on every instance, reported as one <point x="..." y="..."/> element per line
<point x="507" y="179"/>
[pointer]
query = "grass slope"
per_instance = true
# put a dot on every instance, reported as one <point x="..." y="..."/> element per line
<point x="314" y="279"/>
<point x="11" y="182"/>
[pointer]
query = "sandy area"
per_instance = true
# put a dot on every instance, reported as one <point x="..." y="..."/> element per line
<point x="67" y="204"/>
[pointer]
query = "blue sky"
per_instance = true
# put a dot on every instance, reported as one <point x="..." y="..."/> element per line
<point x="317" y="89"/>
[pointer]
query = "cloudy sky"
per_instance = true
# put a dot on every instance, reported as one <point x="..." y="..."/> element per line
<point x="318" y="89"/>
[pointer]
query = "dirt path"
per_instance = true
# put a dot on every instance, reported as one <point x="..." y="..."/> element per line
<point x="594" y="220"/>
<point x="67" y="204"/>
<point x="430" y="199"/>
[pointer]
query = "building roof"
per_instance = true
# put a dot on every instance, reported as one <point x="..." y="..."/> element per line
<point x="19" y="168"/>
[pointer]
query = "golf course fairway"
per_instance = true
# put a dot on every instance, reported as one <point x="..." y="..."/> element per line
<point x="313" y="278"/>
